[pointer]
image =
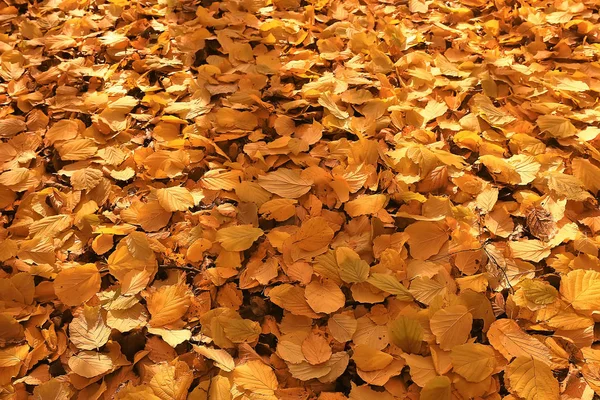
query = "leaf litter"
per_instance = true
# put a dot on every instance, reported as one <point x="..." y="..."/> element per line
<point x="299" y="199"/>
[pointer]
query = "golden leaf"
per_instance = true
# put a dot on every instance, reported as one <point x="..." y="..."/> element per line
<point x="506" y="337"/>
<point x="438" y="388"/>
<point x="88" y="331"/>
<point x="175" y="198"/>
<point x="239" y="237"/>
<point x="406" y="333"/>
<point x="169" y="303"/>
<point x="532" y="379"/>
<point x="287" y="183"/>
<point x="255" y="377"/>
<point x="581" y="288"/>
<point x="370" y="359"/>
<point x="222" y="359"/>
<point x="77" y="284"/>
<point x="451" y="326"/>
<point x="90" y="364"/>
<point x="426" y="238"/>
<point x="473" y="361"/>
<point x="324" y="296"/>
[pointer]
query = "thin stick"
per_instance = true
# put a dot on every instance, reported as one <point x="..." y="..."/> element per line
<point x="166" y="266"/>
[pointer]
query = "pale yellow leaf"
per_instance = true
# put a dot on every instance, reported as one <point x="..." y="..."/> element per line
<point x="530" y="250"/>
<point x="90" y="364"/>
<point x="255" y="377"/>
<point x="175" y="198"/>
<point x="221" y="358"/>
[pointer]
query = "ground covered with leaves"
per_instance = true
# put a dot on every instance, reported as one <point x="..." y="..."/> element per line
<point x="286" y="199"/>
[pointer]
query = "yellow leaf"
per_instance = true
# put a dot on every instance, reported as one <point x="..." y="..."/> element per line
<point x="78" y="149"/>
<point x="342" y="327"/>
<point x="305" y="371"/>
<point x="500" y="222"/>
<point x="506" y="337"/>
<point x="525" y="166"/>
<point x="278" y="209"/>
<point x="556" y="126"/>
<point x="538" y="292"/>
<point x="425" y="289"/>
<point x="451" y="326"/>
<point x="566" y="186"/>
<point x="324" y="296"/>
<point x="426" y="238"/>
<point x="337" y="364"/>
<point x="564" y="82"/>
<point x="316" y="349"/>
<point x="291" y="298"/>
<point x="13" y="355"/>
<point x="289" y="348"/>
<point x="86" y="178"/>
<point x="421" y="369"/>
<point x="313" y="235"/>
<point x="50" y="226"/>
<point x="175" y="198"/>
<point x="220" y="388"/>
<point x="11" y="126"/>
<point x="581" y="288"/>
<point x="171" y="381"/>
<point x="251" y="192"/>
<point x="90" y="364"/>
<point x="88" y="331"/>
<point x="286" y="183"/>
<point x="531" y="379"/>
<point x="173" y="337"/>
<point x="390" y="284"/>
<point x="473" y="361"/>
<point x="486" y="109"/>
<point x="55" y="389"/>
<point x="530" y="250"/>
<point x="221" y="179"/>
<point x="487" y="199"/>
<point x="406" y="333"/>
<point x="255" y="377"/>
<point x="366" y="205"/>
<point x="352" y="268"/>
<point x="127" y="320"/>
<point x="141" y="392"/>
<point x="370" y="359"/>
<point x="438" y="388"/>
<point x="239" y="237"/>
<point x="168" y="304"/>
<point x="587" y="173"/>
<point x="221" y="358"/>
<point x="241" y="330"/>
<point x="78" y="284"/>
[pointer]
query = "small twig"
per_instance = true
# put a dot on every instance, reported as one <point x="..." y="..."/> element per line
<point x="456" y="252"/>
<point x="497" y="265"/>
<point x="166" y="266"/>
<point x="181" y="267"/>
